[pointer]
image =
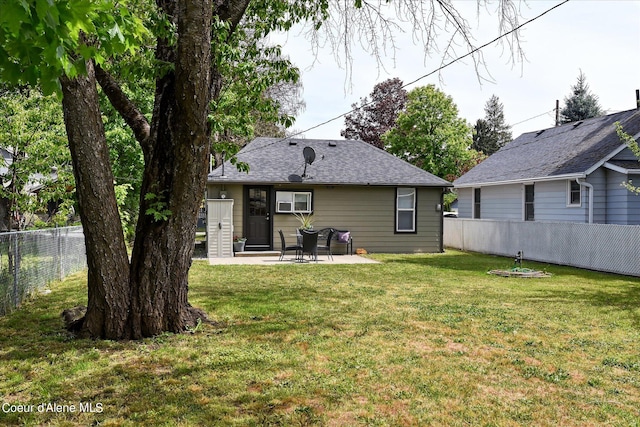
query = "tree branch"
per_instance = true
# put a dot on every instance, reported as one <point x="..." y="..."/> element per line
<point x="121" y="102"/>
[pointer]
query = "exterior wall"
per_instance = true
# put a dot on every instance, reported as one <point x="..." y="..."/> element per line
<point x="367" y="212"/>
<point x="599" y="181"/>
<point x="502" y="201"/>
<point x="623" y="206"/>
<point x="497" y="202"/>
<point x="551" y="203"/>
<point x="465" y="202"/>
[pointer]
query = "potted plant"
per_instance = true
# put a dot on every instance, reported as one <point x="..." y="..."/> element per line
<point x="306" y="222"/>
<point x="238" y="243"/>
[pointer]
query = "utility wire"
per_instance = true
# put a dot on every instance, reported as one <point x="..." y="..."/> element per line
<point x="442" y="67"/>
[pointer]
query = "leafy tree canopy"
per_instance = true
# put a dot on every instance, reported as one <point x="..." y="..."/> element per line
<point x="32" y="134"/>
<point x="375" y="116"/>
<point x="430" y="135"/>
<point x="581" y="104"/>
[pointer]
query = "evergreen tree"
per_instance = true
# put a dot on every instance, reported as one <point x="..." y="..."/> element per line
<point x="491" y="133"/>
<point x="581" y="104"/>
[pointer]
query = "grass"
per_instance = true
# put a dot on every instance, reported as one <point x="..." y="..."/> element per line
<point x="415" y="340"/>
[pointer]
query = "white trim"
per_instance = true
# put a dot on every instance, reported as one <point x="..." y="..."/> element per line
<point x="569" y="204"/>
<point x="590" y="187"/>
<point x="605" y="159"/>
<point x="622" y="170"/>
<point x="524" y="181"/>
<point x="413" y="193"/>
<point x="289" y="197"/>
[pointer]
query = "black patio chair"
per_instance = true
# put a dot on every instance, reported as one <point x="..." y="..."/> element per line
<point x="285" y="248"/>
<point x="326" y="233"/>
<point x="310" y="243"/>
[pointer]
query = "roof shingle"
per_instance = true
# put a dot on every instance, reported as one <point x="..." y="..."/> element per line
<point x="572" y="148"/>
<point x="338" y="162"/>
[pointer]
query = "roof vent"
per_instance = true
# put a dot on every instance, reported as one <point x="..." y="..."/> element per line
<point x="540" y="132"/>
<point x="575" y="125"/>
<point x="292" y="142"/>
<point x="333" y="144"/>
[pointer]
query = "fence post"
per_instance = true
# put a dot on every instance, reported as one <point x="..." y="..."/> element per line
<point x="16" y="268"/>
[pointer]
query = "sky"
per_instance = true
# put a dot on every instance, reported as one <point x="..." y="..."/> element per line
<point x="601" y="38"/>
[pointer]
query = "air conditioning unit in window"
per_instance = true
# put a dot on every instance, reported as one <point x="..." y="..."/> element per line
<point x="284" y="207"/>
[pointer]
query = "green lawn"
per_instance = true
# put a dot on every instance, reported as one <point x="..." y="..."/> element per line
<point x="415" y="340"/>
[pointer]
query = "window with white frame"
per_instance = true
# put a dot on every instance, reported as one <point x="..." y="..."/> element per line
<point x="405" y="210"/>
<point x="293" y="201"/>
<point x="574" y="193"/>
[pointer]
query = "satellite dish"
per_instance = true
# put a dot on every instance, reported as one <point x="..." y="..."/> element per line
<point x="309" y="155"/>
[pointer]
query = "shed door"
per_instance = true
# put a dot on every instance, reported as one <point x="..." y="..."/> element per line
<point x="220" y="228"/>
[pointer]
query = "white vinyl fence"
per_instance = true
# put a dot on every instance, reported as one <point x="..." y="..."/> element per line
<point x="602" y="247"/>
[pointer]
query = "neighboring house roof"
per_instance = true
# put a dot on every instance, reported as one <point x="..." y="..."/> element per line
<point x="571" y="150"/>
<point x="337" y="162"/>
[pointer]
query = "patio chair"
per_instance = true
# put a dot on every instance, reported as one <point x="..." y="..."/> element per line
<point x="310" y="243"/>
<point x="285" y="248"/>
<point x="326" y="233"/>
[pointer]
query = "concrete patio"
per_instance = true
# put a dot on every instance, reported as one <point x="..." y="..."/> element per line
<point x="272" y="258"/>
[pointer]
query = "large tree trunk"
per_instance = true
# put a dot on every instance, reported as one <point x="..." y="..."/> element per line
<point x="175" y="176"/>
<point x="149" y="296"/>
<point x="108" y="278"/>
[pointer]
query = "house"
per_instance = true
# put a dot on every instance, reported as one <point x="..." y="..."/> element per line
<point x="568" y="173"/>
<point x="387" y="204"/>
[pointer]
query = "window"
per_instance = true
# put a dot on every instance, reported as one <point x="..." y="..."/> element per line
<point x="574" y="193"/>
<point x="405" y="210"/>
<point x="529" y="195"/>
<point x="476" y="203"/>
<point x="293" y="201"/>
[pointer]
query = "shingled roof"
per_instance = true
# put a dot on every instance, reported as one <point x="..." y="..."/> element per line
<point x="337" y="162"/>
<point x="563" y="151"/>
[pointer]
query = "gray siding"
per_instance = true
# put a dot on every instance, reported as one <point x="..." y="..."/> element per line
<point x="501" y="202"/>
<point x="617" y="197"/>
<point x="599" y="181"/>
<point x="465" y="200"/>
<point x="625" y="154"/>
<point x="550" y="203"/>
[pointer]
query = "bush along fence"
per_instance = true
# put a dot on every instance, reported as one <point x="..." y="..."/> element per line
<point x="30" y="260"/>
<point x="602" y="247"/>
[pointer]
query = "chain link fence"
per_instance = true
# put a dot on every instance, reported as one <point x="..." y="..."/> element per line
<point x="29" y="260"/>
<point x="602" y="247"/>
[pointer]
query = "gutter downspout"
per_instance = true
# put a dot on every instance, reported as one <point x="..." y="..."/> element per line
<point x="590" y="187"/>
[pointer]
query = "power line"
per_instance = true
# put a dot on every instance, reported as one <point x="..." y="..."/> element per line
<point x="534" y="117"/>
<point x="442" y="67"/>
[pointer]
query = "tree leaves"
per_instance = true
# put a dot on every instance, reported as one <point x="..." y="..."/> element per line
<point x="430" y="135"/>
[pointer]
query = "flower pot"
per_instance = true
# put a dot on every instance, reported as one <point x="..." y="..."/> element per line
<point x="238" y="246"/>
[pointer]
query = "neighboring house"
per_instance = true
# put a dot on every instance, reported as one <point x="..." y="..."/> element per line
<point x="387" y="204"/>
<point x="570" y="173"/>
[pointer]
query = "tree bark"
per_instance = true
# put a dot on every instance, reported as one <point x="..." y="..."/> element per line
<point x="175" y="173"/>
<point x="108" y="278"/>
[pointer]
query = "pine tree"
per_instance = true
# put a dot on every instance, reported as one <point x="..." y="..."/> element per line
<point x="581" y="104"/>
<point x="491" y="133"/>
